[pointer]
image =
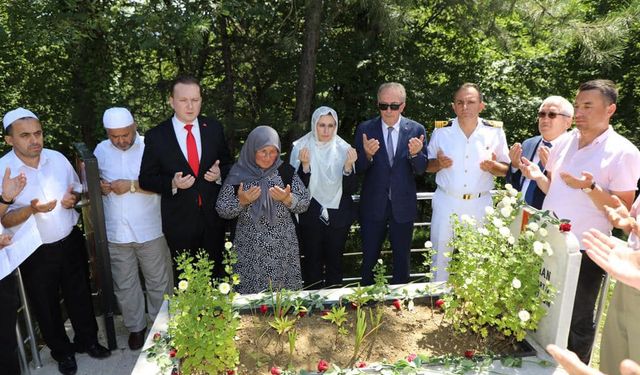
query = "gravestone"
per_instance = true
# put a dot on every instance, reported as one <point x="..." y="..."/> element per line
<point x="561" y="269"/>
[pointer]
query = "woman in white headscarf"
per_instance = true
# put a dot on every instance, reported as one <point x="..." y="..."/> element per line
<point x="262" y="192"/>
<point x="326" y="161"/>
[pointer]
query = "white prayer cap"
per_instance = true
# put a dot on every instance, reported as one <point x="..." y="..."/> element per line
<point x="117" y="118"/>
<point x="17" y="114"/>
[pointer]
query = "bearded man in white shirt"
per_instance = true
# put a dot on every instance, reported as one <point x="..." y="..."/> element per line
<point x="134" y="226"/>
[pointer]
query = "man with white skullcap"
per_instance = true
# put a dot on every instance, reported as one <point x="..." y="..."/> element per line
<point x="60" y="263"/>
<point x="134" y="227"/>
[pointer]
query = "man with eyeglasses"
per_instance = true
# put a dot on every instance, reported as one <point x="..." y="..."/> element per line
<point x="592" y="167"/>
<point x="391" y="152"/>
<point x="555" y="116"/>
<point x="466" y="154"/>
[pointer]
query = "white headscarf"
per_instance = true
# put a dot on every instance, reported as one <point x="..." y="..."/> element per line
<point x="326" y="160"/>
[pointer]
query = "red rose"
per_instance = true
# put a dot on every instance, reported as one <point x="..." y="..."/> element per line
<point x="397" y="304"/>
<point x="231" y="372"/>
<point x="302" y="313"/>
<point x="324" y="312"/>
<point x="275" y="370"/>
<point x="565" y="227"/>
<point x="361" y="364"/>
<point x="157" y="336"/>
<point x="469" y="353"/>
<point x="172" y="352"/>
<point x="323" y="365"/>
<point x="440" y="303"/>
<point x="264" y="309"/>
<point x="411" y="357"/>
<point x="354" y="305"/>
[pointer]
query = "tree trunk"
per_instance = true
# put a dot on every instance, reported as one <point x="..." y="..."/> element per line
<point x="306" y="76"/>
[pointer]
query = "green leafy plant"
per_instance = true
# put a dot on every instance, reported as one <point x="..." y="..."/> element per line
<point x="203" y="321"/>
<point x="337" y="315"/>
<point x="494" y="276"/>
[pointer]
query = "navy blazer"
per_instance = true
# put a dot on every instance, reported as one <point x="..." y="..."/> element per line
<point x="379" y="176"/>
<point x="162" y="158"/>
<point x="516" y="179"/>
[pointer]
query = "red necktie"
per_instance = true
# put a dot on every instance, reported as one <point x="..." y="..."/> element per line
<point x="192" y="155"/>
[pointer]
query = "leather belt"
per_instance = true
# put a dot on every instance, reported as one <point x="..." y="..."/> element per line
<point x="467" y="196"/>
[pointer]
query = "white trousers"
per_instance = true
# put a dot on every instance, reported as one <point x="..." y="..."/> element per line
<point x="154" y="259"/>
<point x="443" y="206"/>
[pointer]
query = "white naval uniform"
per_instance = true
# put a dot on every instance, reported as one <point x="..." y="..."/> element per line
<point x="463" y="177"/>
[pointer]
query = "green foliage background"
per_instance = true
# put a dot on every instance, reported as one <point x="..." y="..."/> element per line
<point x="69" y="60"/>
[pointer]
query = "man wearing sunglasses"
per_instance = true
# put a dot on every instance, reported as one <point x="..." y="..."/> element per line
<point x="391" y="151"/>
<point x="592" y="167"/>
<point x="554" y="119"/>
<point x="465" y="154"/>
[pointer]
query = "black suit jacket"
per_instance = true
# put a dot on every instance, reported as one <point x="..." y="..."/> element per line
<point x="161" y="160"/>
<point x="516" y="179"/>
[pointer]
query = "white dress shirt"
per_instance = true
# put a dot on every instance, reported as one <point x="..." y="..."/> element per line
<point x="129" y="217"/>
<point x="181" y="135"/>
<point x="50" y="180"/>
<point x="465" y="175"/>
<point x="394" y="134"/>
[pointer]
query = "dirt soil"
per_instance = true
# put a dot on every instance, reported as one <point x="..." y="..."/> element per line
<point x="422" y="331"/>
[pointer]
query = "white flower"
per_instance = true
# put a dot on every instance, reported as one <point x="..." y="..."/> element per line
<point x="542" y="232"/>
<point x="504" y="231"/>
<point x="511" y="240"/>
<point x="506" y="211"/>
<point x="516" y="283"/>
<point x="506" y="201"/>
<point x="467" y="219"/>
<point x="511" y="191"/>
<point x="183" y="284"/>
<point x="508" y="187"/>
<point x="224" y="288"/>
<point x="547" y="247"/>
<point x="410" y="305"/>
<point x="467" y="281"/>
<point x="428" y="245"/>
<point x="497" y="222"/>
<point x="228" y="245"/>
<point x="484" y="231"/>
<point x="489" y="210"/>
<point x="528" y="234"/>
<point x="379" y="260"/>
<point x="524" y="315"/>
<point x="538" y="247"/>
<point x="533" y="227"/>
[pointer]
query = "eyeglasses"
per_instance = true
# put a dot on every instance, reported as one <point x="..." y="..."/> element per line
<point x="551" y="115"/>
<point x="385" y="106"/>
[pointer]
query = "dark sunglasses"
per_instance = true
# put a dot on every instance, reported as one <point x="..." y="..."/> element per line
<point x="551" y="115"/>
<point x="385" y="106"/>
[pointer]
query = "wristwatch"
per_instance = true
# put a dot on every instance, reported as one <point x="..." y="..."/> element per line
<point x="132" y="189"/>
<point x="590" y="188"/>
<point x="7" y="202"/>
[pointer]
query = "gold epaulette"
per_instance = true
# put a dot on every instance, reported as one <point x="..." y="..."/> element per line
<point x="442" y="123"/>
<point x="493" y="123"/>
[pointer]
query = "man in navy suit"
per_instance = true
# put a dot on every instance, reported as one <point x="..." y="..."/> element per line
<point x="184" y="160"/>
<point x="554" y="119"/>
<point x="391" y="151"/>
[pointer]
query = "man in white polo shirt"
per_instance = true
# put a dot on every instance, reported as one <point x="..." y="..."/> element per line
<point x="134" y="227"/>
<point x="60" y="263"/>
<point x="590" y="166"/>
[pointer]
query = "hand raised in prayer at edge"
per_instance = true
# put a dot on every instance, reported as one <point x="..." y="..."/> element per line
<point x="515" y="153"/>
<point x="181" y="182"/>
<point x="614" y="256"/>
<point x="213" y="173"/>
<point x="488" y="164"/>
<point x="281" y="195"/>
<point x="37" y="207"/>
<point x="415" y="145"/>
<point x="305" y="159"/>
<point x="443" y="160"/>
<point x="370" y="146"/>
<point x="352" y="156"/>
<point x="246" y="197"/>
